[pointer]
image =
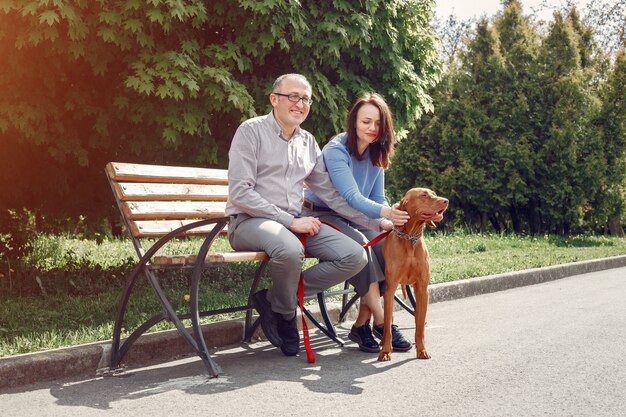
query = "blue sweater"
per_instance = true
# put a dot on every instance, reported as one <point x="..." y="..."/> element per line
<point x="360" y="183"/>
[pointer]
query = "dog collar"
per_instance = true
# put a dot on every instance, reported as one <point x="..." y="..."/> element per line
<point x="412" y="238"/>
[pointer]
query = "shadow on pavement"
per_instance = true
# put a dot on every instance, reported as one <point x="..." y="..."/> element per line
<point x="336" y="370"/>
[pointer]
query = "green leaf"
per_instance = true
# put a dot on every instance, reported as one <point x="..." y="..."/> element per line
<point x="121" y="102"/>
<point x="30" y="8"/>
<point x="110" y="17"/>
<point x="132" y="5"/>
<point x="49" y="16"/>
<point x="107" y="34"/>
<point x="169" y="135"/>
<point x="7" y="5"/>
<point x="155" y="15"/>
<point x="76" y="49"/>
<point x="133" y="25"/>
<point x="101" y="125"/>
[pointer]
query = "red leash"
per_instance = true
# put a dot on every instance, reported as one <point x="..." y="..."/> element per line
<point x="377" y="239"/>
<point x="310" y="356"/>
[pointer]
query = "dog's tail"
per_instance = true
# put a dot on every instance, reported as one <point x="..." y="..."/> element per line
<point x="403" y="291"/>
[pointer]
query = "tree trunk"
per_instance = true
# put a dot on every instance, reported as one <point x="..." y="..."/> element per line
<point x="495" y="223"/>
<point x="615" y="227"/>
<point x="533" y="218"/>
<point x="515" y="221"/>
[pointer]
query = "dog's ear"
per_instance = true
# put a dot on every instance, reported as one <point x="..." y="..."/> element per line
<point x="403" y="202"/>
<point x="431" y="224"/>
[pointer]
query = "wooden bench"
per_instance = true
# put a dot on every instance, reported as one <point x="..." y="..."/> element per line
<point x="165" y="203"/>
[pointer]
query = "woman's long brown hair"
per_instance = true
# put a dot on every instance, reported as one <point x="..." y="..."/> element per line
<point x="381" y="151"/>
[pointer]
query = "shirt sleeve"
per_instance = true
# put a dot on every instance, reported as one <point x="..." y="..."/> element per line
<point x="242" y="174"/>
<point x="336" y="158"/>
<point x="319" y="182"/>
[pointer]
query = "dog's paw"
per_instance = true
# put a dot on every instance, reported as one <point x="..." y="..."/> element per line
<point x="384" y="356"/>
<point x="422" y="354"/>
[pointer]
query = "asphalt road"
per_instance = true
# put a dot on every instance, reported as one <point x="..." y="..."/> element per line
<point x="553" y="349"/>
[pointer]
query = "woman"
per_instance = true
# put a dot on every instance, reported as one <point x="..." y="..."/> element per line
<point x="356" y="160"/>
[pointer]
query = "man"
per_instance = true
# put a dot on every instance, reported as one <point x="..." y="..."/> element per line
<point x="270" y="159"/>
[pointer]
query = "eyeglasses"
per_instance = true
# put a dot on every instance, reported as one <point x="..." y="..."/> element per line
<point x="294" y="98"/>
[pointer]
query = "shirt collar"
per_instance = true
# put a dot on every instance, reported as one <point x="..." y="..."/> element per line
<point x="271" y="120"/>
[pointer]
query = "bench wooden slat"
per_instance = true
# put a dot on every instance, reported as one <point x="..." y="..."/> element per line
<point x="221" y="257"/>
<point x="158" y="228"/>
<point x="146" y="210"/>
<point x="119" y="171"/>
<point x="128" y="191"/>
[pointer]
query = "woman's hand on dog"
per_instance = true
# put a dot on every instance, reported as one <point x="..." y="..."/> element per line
<point x="395" y="215"/>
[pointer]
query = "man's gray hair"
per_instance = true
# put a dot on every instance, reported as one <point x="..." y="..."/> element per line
<point x="283" y="77"/>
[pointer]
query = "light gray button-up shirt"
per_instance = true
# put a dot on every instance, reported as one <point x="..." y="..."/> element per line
<point x="267" y="173"/>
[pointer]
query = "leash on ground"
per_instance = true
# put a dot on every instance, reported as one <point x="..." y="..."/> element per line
<point x="310" y="356"/>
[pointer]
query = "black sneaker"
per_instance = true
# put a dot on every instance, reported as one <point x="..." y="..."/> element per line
<point x="288" y="331"/>
<point x="398" y="341"/>
<point x="363" y="336"/>
<point x="269" y="319"/>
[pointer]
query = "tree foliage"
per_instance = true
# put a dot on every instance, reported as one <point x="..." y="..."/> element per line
<point x="610" y="202"/>
<point x="163" y="81"/>
<point x="521" y="138"/>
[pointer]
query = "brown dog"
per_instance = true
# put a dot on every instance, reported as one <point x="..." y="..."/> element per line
<point x="407" y="262"/>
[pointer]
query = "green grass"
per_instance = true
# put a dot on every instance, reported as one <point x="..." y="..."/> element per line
<point x="462" y="255"/>
<point x="65" y="290"/>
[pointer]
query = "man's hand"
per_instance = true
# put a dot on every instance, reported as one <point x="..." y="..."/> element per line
<point x="309" y="226"/>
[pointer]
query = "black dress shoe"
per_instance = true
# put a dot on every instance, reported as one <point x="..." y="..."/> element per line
<point x="269" y="319"/>
<point x="363" y="336"/>
<point x="288" y="331"/>
<point x="398" y="341"/>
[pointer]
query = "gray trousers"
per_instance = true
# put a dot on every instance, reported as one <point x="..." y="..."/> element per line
<point x="340" y="257"/>
<point x="375" y="269"/>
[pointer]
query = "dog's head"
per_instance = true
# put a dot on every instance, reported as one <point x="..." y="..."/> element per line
<point x="424" y="205"/>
